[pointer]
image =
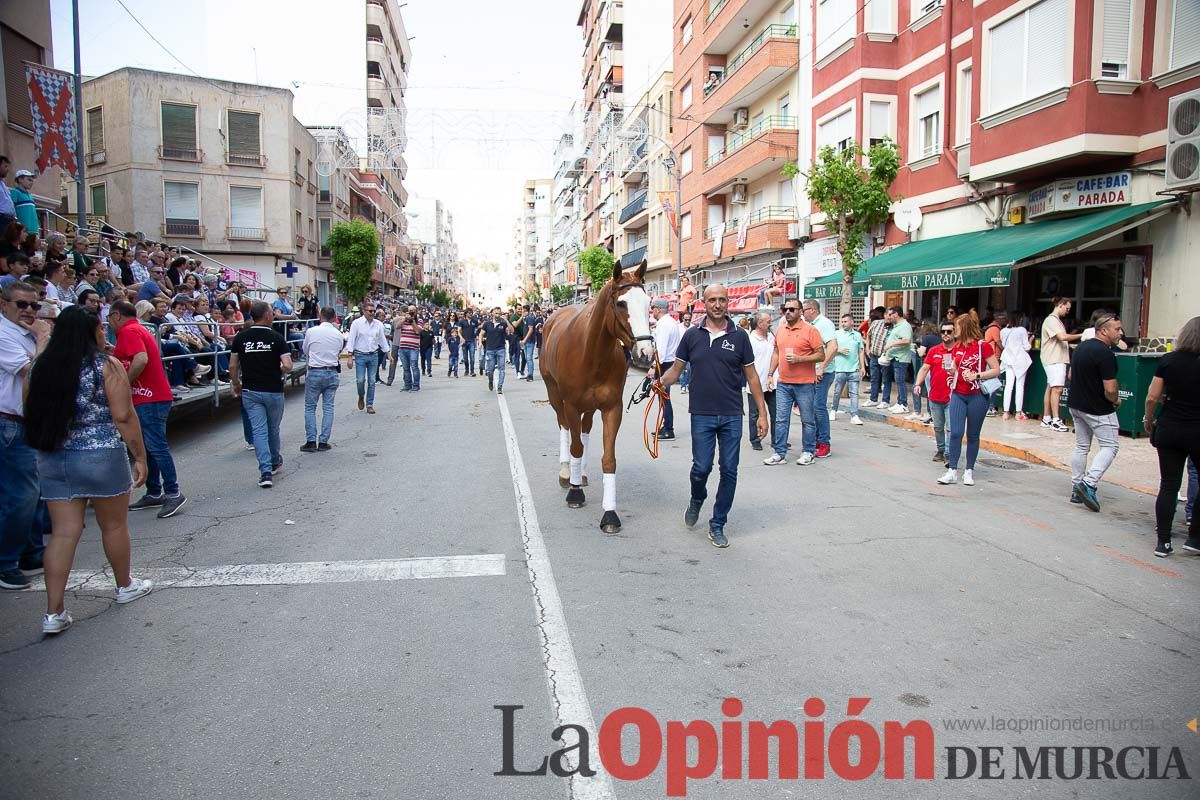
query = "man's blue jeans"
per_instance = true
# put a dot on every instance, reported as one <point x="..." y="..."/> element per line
<point x="821" y="406"/>
<point x="178" y="369"/>
<point x="160" y="467"/>
<point x="410" y="365"/>
<point x="528" y="348"/>
<point x="426" y="361"/>
<point x="876" y="371"/>
<point x="364" y="375"/>
<point x="495" y="360"/>
<point x="840" y="381"/>
<point x="900" y="378"/>
<point x="709" y="432"/>
<point x="19" y="492"/>
<point x="468" y="357"/>
<point x="803" y="395"/>
<point x="266" y="412"/>
<point x="319" y="384"/>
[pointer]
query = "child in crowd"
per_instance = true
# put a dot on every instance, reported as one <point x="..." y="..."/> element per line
<point x="454" y="342"/>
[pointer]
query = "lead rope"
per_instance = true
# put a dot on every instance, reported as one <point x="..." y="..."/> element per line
<point x="657" y="392"/>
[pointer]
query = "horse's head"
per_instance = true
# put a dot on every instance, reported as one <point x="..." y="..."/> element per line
<point x="632" y="309"/>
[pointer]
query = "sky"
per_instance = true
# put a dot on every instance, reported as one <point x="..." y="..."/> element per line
<point x="489" y="94"/>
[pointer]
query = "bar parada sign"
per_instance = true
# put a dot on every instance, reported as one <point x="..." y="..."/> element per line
<point x="967" y="278"/>
<point x="1076" y="194"/>
<point x="827" y="291"/>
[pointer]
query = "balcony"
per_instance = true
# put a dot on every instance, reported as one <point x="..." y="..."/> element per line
<point x="245" y="159"/>
<point x="783" y="214"/>
<point x="180" y="154"/>
<point x="634" y="255"/>
<point x="191" y="229"/>
<point x="752" y="73"/>
<point x="299" y="241"/>
<point x="714" y="8"/>
<point x="635" y="166"/>
<point x="635" y="208"/>
<point x="735" y="142"/>
<point x="778" y="32"/>
<point x="612" y="26"/>
<point x="250" y="234"/>
<point x="612" y="60"/>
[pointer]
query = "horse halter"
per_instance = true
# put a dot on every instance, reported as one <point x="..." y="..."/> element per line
<point x="628" y="329"/>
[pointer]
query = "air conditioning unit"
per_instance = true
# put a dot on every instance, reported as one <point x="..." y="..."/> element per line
<point x="741" y="117"/>
<point x="1183" y="141"/>
<point x="739" y="193"/>
<point x="800" y="230"/>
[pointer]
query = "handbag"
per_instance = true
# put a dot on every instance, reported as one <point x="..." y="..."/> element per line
<point x="987" y="386"/>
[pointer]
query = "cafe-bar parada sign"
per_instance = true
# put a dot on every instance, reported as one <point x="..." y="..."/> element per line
<point x="1080" y="194"/>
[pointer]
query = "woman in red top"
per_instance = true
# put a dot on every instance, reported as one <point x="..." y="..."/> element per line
<point x="972" y="360"/>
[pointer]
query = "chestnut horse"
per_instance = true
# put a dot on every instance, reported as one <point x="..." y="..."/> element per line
<point x="583" y="364"/>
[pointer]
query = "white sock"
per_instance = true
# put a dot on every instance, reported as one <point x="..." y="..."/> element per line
<point x="610" y="492"/>
<point x="586" y="437"/>
<point x="576" y="471"/>
<point x="564" y="445"/>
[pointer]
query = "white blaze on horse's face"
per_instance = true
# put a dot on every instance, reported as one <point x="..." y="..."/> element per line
<point x="637" y="302"/>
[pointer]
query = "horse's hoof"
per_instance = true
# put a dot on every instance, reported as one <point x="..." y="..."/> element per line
<point x="610" y="522"/>
<point x="575" y="498"/>
<point x="564" y="482"/>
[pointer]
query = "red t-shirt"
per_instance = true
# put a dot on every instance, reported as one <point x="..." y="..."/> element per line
<point x="939" y="377"/>
<point x="967" y="357"/>
<point x="152" y="385"/>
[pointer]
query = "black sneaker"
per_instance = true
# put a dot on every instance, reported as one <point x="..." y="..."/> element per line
<point x="667" y="435"/>
<point x="308" y="447"/>
<point x="13" y="580"/>
<point x="323" y="446"/>
<point x="1075" y="498"/>
<point x="490" y="384"/>
<point x="148" y="501"/>
<point x="500" y="390"/>
<point x="1087" y="494"/>
<point x="939" y="457"/>
<point x="1164" y="549"/>
<point x="171" y="505"/>
<point x="717" y="537"/>
<point x="756" y="445"/>
<point x="1192" y="545"/>
<point x="31" y="566"/>
<point x="264" y="480"/>
<point x="276" y="467"/>
<point x="692" y="515"/>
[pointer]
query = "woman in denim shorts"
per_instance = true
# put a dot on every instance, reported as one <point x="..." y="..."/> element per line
<point x="79" y="417"/>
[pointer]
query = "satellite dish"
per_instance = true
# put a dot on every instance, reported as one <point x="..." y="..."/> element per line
<point x="907" y="216"/>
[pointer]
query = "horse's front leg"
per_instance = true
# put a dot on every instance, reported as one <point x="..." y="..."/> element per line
<point x="611" y="419"/>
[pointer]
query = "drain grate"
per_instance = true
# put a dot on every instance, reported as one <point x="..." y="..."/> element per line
<point x="1003" y="464"/>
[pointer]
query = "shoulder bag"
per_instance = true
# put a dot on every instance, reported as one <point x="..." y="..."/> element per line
<point x="987" y="386"/>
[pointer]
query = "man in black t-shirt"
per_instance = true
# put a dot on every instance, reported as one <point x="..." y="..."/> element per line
<point x="495" y="334"/>
<point x="530" y="325"/>
<point x="1093" y="401"/>
<point x="469" y="327"/>
<point x="260" y="358"/>
<point x="721" y="359"/>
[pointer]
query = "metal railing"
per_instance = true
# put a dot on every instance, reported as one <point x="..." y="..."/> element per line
<point x="181" y="153"/>
<point x="239" y="232"/>
<point x="193" y="229"/>
<point x="635" y="206"/>
<point x="736" y="141"/>
<point x="714" y="10"/>
<point x="246" y="159"/>
<point x="739" y="61"/>
<point x="764" y="214"/>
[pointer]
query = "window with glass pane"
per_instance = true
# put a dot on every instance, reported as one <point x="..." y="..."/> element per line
<point x="95" y="130"/>
<point x="837" y="132"/>
<point x="99" y="200"/>
<point x="1185" y="33"/>
<point x="929" y="122"/>
<point x="245" y="212"/>
<point x="179" y="131"/>
<point x="244" y="139"/>
<point x="1029" y="55"/>
<point x="17" y="50"/>
<point x="878" y="123"/>
<point x="181" y="203"/>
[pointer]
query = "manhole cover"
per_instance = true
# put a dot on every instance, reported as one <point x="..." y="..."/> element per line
<point x="1001" y="464"/>
<point x="370" y="455"/>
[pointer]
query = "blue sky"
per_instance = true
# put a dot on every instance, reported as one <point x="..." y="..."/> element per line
<point x="490" y="83"/>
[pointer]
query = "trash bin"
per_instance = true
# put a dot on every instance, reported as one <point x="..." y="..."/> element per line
<point x="1134" y="373"/>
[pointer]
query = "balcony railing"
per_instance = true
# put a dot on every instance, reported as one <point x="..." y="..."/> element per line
<point x="183" y="228"/>
<point x="737" y="141"/>
<point x="764" y="214"/>
<point x="714" y="10"/>
<point x="634" y="256"/>
<point x="180" y="153"/>
<point x="257" y="234"/>
<point x="246" y="159"/>
<point x="769" y="32"/>
<point x="635" y="206"/>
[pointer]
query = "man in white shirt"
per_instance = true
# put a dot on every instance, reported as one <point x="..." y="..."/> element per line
<point x="667" y="333"/>
<point x="322" y="347"/>
<point x="762" y="342"/>
<point x="365" y="340"/>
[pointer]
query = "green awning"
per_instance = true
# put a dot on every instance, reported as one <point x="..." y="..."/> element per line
<point x="986" y="258"/>
<point x="831" y="286"/>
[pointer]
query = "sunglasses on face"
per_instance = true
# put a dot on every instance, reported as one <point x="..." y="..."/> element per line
<point x="24" y="304"/>
<point x="791" y="308"/>
<point x="948" y="333"/>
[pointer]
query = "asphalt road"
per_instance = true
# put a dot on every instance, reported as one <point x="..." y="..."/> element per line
<point x="857" y="576"/>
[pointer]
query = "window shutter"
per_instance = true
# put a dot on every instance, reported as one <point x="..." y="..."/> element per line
<point x="17" y="50"/>
<point x="878" y="122"/>
<point x="178" y="127"/>
<point x="1185" y="34"/>
<point x="243" y="133"/>
<point x="99" y="200"/>
<point x="1048" y="45"/>
<point x="95" y="129"/>
<point x="1115" y="48"/>
<point x="245" y="207"/>
<point x="929" y="103"/>
<point x="1006" y="65"/>
<point x="182" y="201"/>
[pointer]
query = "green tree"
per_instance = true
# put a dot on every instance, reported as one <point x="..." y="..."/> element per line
<point x="562" y="292"/>
<point x="353" y="247"/>
<point x="424" y="292"/>
<point x="440" y="298"/>
<point x="597" y="264"/>
<point x="854" y="198"/>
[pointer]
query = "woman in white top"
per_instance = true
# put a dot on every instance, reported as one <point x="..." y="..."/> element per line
<point x="1015" y="361"/>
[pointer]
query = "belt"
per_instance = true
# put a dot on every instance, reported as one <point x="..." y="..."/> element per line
<point x="310" y="369"/>
<point x="13" y="417"/>
<point x="365" y="353"/>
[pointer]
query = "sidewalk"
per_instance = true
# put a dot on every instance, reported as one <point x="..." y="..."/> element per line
<point x="1136" y="466"/>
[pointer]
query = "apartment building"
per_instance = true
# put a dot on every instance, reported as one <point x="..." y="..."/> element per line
<point x="602" y="106"/>
<point x="430" y="222"/>
<point x="335" y="159"/>
<point x="25" y="35"/>
<point x="566" y="232"/>
<point x="389" y="57"/>
<point x="222" y="168"/>
<point x="533" y="236"/>
<point x="1044" y="121"/>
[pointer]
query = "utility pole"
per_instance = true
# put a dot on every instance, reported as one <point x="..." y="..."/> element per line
<point x="80" y="193"/>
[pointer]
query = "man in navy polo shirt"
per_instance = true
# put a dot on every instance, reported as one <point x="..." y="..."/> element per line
<point x="721" y="359"/>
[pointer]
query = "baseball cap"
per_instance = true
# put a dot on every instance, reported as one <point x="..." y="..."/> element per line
<point x="660" y="303"/>
<point x="24" y="173"/>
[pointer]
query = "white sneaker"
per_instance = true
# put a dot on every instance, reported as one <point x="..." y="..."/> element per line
<point x="868" y="404"/>
<point x="805" y="459"/>
<point x="898" y="409"/>
<point x="56" y="623"/>
<point x="202" y="370"/>
<point x="833" y="416"/>
<point x="249" y="446"/>
<point x="914" y="416"/>
<point x="854" y="420"/>
<point x="773" y="459"/>
<point x="927" y="420"/>
<point x="950" y="476"/>
<point x="796" y="410"/>
<point x="136" y="588"/>
<point x="968" y="477"/>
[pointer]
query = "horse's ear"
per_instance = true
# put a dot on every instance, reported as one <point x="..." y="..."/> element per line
<point x="617" y="272"/>
<point x="641" y="271"/>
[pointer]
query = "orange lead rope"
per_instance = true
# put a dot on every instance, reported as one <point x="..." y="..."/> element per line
<point x="657" y="392"/>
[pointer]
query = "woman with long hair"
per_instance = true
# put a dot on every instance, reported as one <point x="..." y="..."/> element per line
<point x="1175" y="433"/>
<point x="1015" y="341"/>
<point x="79" y="417"/>
<point x="971" y="360"/>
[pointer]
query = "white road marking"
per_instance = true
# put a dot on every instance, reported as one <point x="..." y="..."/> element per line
<point x="562" y="670"/>
<point x="303" y="572"/>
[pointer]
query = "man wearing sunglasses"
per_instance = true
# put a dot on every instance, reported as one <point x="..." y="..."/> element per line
<point x="937" y="359"/>
<point x="22" y="337"/>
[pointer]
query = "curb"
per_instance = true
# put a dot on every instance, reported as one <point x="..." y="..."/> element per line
<point x="1001" y="448"/>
